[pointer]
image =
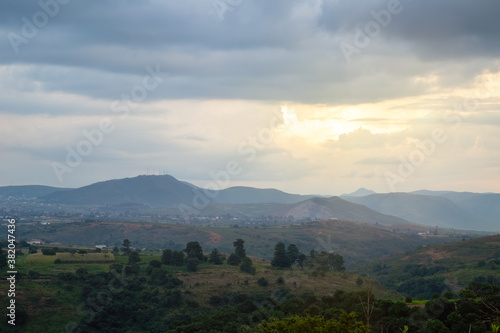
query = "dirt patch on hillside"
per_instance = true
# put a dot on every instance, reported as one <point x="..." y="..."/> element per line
<point x="436" y="255"/>
<point x="214" y="238"/>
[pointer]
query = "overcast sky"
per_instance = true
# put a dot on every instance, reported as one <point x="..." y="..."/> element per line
<point x="312" y="96"/>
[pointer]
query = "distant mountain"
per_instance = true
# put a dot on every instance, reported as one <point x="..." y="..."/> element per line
<point x="251" y="195"/>
<point x="148" y="190"/>
<point x="484" y="208"/>
<point x="423" y="209"/>
<point x="29" y="191"/>
<point x="336" y="208"/>
<point x="166" y="191"/>
<point x="361" y="192"/>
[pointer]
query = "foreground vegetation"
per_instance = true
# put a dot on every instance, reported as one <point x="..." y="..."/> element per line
<point x="191" y="290"/>
<point x="430" y="269"/>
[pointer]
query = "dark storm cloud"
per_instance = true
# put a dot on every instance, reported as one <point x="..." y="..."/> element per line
<point x="262" y="50"/>
<point x="434" y="29"/>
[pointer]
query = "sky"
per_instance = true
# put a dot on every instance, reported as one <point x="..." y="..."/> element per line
<point x="310" y="96"/>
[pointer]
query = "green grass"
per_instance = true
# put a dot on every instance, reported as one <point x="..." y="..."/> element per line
<point x="66" y="257"/>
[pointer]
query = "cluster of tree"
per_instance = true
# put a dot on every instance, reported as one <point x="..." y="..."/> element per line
<point x="320" y="262"/>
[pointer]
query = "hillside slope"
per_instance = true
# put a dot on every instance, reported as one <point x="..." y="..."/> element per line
<point x="336" y="208"/>
<point x="355" y="241"/>
<point x="29" y="191"/>
<point x="148" y="190"/>
<point x="251" y="195"/>
<point x="423" y="209"/>
<point x="449" y="266"/>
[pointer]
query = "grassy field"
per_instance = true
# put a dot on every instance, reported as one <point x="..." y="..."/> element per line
<point x="66" y="257"/>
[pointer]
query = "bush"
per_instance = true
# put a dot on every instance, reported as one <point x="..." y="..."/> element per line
<point x="247" y="266"/>
<point x="234" y="259"/>
<point x="155" y="263"/>
<point x="49" y="252"/>
<point x="57" y="261"/>
<point x="280" y="280"/>
<point x="262" y="282"/>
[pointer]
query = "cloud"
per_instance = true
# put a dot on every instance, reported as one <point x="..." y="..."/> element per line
<point x="225" y="78"/>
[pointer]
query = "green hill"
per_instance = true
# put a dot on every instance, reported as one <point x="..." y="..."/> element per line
<point x="29" y="191"/>
<point x="355" y="241"/>
<point x="436" y="268"/>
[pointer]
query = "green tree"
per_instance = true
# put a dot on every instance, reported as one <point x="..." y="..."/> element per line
<point x="435" y="326"/>
<point x="126" y="246"/>
<point x="192" y="264"/>
<point x="194" y="250"/>
<point x="134" y="258"/>
<point x="239" y="249"/>
<point x="177" y="258"/>
<point x="342" y="323"/>
<point x="233" y="259"/>
<point x="48" y="252"/>
<point x="215" y="257"/>
<point x="155" y="263"/>
<point x="280" y="258"/>
<point x="293" y="253"/>
<point x="247" y="266"/>
<point x="166" y="257"/>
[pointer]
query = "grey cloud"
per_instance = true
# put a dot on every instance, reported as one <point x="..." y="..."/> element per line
<point x="435" y="29"/>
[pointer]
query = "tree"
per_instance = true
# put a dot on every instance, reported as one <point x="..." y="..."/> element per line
<point x="155" y="263"/>
<point x="342" y="323"/>
<point x="280" y="258"/>
<point x="293" y="253"/>
<point x="215" y="257"/>
<point x="166" y="257"/>
<point x="134" y="258"/>
<point x="435" y="326"/>
<point x="194" y="250"/>
<point x="239" y="249"/>
<point x="192" y="264"/>
<point x="301" y="260"/>
<point x="247" y="266"/>
<point x="177" y="258"/>
<point x="233" y="259"/>
<point x="49" y="252"/>
<point x="126" y="246"/>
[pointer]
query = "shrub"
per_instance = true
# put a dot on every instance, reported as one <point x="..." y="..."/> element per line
<point x="262" y="282"/>
<point x="49" y="252"/>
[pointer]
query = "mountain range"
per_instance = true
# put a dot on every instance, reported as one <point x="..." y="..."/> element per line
<point x="445" y="209"/>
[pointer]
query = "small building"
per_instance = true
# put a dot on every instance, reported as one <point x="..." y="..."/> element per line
<point x="35" y="242"/>
<point x="102" y="247"/>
